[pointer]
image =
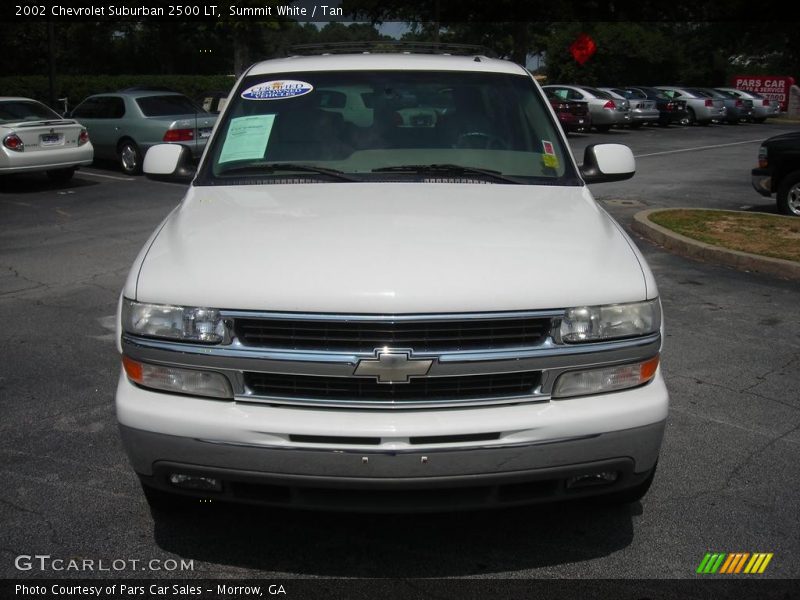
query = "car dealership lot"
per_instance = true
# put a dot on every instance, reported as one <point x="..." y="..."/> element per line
<point x="729" y="470"/>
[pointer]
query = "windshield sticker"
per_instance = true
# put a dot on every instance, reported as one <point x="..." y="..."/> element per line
<point x="549" y="157"/>
<point x="277" y="90"/>
<point x="247" y="138"/>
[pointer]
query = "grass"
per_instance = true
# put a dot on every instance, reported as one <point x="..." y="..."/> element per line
<point x="767" y="235"/>
<point x="784" y="119"/>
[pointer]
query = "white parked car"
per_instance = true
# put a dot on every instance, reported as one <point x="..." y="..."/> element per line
<point x="406" y="314"/>
<point x="36" y="138"/>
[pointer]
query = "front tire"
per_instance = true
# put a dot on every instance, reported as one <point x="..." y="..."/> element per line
<point x="789" y="195"/>
<point x="130" y="158"/>
<point x="603" y="128"/>
<point x="61" y="175"/>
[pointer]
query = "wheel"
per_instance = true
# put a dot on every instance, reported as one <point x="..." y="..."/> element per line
<point x="630" y="495"/>
<point x="130" y="158"/>
<point x="691" y="118"/>
<point x="603" y="128"/>
<point x="481" y="141"/>
<point x="635" y="125"/>
<point x="789" y="195"/>
<point x="61" y="175"/>
<point x="760" y="120"/>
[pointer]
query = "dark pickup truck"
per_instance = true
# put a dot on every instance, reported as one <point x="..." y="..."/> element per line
<point x="778" y="171"/>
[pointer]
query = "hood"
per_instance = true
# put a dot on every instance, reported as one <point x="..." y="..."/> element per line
<point x="793" y="136"/>
<point x="389" y="248"/>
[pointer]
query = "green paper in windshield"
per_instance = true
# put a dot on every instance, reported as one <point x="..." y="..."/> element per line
<point x="247" y="138"/>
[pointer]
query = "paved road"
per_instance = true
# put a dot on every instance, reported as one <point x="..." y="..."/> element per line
<point x="727" y="481"/>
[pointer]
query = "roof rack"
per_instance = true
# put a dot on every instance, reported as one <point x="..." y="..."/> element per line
<point x="391" y="46"/>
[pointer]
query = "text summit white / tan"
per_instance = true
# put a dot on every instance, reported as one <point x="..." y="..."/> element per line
<point x="421" y="307"/>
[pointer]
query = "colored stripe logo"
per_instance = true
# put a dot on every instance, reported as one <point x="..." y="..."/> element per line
<point x="734" y="563"/>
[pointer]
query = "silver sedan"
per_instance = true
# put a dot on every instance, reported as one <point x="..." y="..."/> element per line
<point x="762" y="107"/>
<point x="36" y="138"/>
<point x="643" y="111"/>
<point x="702" y="109"/>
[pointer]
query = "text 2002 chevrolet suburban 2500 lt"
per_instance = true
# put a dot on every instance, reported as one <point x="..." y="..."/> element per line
<point x="407" y="302"/>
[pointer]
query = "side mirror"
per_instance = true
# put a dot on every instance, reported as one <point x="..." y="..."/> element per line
<point x="169" y="162"/>
<point x="607" y="162"/>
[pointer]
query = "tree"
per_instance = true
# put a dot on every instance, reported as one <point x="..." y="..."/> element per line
<point x="627" y="53"/>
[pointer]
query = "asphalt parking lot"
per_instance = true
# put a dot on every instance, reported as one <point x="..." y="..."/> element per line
<point x="729" y="473"/>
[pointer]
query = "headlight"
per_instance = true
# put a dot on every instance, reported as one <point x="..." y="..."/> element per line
<point x="612" y="321"/>
<point x="182" y="323"/>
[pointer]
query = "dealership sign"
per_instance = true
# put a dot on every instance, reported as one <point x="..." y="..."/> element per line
<point x="772" y="87"/>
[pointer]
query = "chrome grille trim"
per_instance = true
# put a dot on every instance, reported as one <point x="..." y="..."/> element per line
<point x="232" y="361"/>
<point x="519" y="314"/>
<point x="420" y="390"/>
<point x="362" y="333"/>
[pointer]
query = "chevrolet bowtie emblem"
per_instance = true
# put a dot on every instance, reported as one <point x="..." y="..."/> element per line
<point x="393" y="366"/>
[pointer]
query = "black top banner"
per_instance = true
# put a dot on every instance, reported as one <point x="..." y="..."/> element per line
<point x="442" y="11"/>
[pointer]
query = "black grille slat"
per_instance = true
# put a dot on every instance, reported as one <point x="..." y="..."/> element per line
<point x="464" y="387"/>
<point x="361" y="336"/>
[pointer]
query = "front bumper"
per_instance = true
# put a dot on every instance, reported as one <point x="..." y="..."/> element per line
<point x="762" y="181"/>
<point x="254" y="449"/>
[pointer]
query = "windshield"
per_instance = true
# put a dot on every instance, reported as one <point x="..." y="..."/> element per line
<point x="163" y="106"/>
<point x="379" y="125"/>
<point x="25" y="110"/>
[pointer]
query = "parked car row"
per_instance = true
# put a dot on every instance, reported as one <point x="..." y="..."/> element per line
<point x="663" y="105"/>
<point x="121" y="125"/>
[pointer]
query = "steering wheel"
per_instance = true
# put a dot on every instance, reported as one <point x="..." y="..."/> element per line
<point x="480" y="140"/>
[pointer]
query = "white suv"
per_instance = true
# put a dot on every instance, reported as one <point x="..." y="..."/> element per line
<point x="420" y="307"/>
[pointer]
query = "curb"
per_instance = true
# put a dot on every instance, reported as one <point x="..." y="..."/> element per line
<point x="680" y="244"/>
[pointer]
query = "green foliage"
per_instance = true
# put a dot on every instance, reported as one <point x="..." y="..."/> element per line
<point x="77" y="87"/>
<point x="653" y="52"/>
<point x="627" y="53"/>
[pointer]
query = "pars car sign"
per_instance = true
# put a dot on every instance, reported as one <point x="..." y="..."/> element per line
<point x="772" y="87"/>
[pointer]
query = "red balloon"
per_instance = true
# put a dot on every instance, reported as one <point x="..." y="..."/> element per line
<point x="582" y="48"/>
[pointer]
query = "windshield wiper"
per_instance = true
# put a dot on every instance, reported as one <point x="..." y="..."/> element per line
<point x="450" y="169"/>
<point x="270" y="168"/>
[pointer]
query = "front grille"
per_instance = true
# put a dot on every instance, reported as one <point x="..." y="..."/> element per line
<point x="366" y="336"/>
<point x="463" y="387"/>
